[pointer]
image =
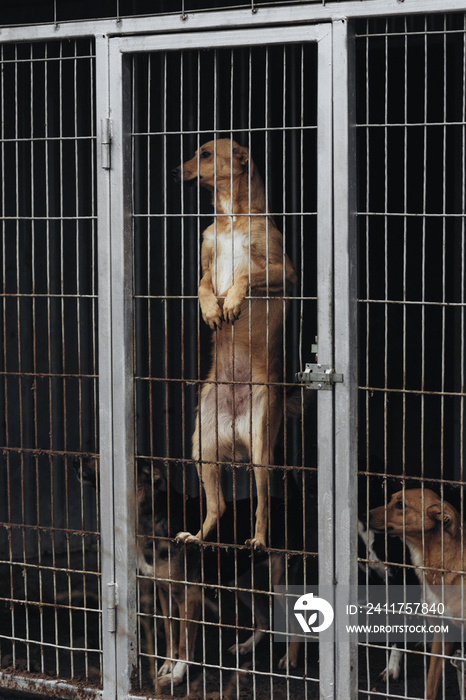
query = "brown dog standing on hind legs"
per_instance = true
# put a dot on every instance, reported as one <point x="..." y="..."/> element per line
<point x="432" y="529"/>
<point x="240" y="411"/>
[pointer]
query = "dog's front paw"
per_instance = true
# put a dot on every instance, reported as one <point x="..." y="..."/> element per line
<point x="175" y="676"/>
<point x="232" y="305"/>
<point x="286" y="663"/>
<point x="244" y="648"/>
<point x="394" y="666"/>
<point x="166" y="668"/>
<point x="212" y="314"/>
<point x="255" y="542"/>
<point x="186" y="538"/>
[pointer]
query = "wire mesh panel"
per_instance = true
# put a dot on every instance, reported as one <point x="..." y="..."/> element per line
<point x="257" y="105"/>
<point x="411" y="162"/>
<point x="49" y="521"/>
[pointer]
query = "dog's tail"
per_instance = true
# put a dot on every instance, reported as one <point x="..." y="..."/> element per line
<point x="297" y="400"/>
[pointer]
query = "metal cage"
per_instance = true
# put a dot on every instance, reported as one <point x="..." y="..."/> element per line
<point x="354" y="116"/>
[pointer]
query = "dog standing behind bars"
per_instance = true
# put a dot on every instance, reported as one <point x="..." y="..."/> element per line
<point x="432" y="529"/>
<point x="239" y="412"/>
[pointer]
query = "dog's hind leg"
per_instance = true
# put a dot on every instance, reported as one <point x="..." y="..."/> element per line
<point x="205" y="454"/>
<point x="260" y="623"/>
<point x="189" y="603"/>
<point x="266" y="418"/>
<point x="438" y="651"/>
<point x="290" y="658"/>
<point x="171" y="646"/>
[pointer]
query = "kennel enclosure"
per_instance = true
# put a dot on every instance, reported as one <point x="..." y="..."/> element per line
<point x="354" y="114"/>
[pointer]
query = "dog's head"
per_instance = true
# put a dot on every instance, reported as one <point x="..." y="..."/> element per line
<point x="215" y="162"/>
<point x="413" y="511"/>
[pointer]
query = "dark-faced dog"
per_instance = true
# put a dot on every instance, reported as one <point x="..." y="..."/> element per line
<point x="383" y="561"/>
<point x="178" y="569"/>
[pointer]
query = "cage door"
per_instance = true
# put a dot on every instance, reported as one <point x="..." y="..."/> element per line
<point x="221" y="164"/>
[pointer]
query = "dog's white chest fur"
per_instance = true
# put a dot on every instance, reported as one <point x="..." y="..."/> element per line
<point x="231" y="258"/>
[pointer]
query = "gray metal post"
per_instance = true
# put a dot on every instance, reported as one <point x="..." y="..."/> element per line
<point x="325" y="438"/>
<point x="106" y="447"/>
<point x="121" y="262"/>
<point x="345" y="352"/>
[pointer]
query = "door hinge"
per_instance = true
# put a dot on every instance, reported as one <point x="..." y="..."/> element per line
<point x="112" y="594"/>
<point x="317" y="376"/>
<point x="106" y="143"/>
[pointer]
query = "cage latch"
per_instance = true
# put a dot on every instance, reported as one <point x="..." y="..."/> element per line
<point x="317" y="376"/>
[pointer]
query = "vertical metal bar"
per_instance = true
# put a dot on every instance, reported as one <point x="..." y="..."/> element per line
<point x="325" y="406"/>
<point x="122" y="366"/>
<point x="18" y="330"/>
<point x="345" y="348"/>
<point x="106" y="446"/>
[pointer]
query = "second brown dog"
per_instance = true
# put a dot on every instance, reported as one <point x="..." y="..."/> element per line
<point x="432" y="529"/>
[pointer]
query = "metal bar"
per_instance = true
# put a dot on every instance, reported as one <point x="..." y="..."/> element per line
<point x="225" y="38"/>
<point x="67" y="691"/>
<point x="106" y="398"/>
<point x="345" y="348"/>
<point x="122" y="385"/>
<point x="325" y="331"/>
<point x="263" y="16"/>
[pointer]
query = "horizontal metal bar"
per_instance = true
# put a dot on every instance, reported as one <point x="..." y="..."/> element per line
<point x="34" y="295"/>
<point x="418" y="215"/>
<point x="43" y="567"/>
<point x="19" y="217"/>
<point x="405" y="302"/>
<point x="231" y="465"/>
<point x="423" y="32"/>
<point x="187" y="296"/>
<point x="47" y="139"/>
<point x="225" y="38"/>
<point x="182" y="215"/>
<point x="218" y="19"/>
<point x="45" y="528"/>
<point x="415" y="392"/>
<point x="39" y="685"/>
<point x="53" y="606"/>
<point x="217" y="382"/>
<point x="44" y="59"/>
<point x="39" y="451"/>
<point x="45" y="375"/>
<point x="245" y="130"/>
<point x="213" y="545"/>
<point x="389" y="125"/>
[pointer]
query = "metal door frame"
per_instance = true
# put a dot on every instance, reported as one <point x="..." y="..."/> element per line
<point x="121" y="305"/>
<point x="337" y="437"/>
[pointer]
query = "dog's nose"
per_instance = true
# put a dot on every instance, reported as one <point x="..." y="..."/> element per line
<point x="176" y="174"/>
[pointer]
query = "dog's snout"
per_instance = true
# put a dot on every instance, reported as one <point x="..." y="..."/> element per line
<point x="176" y="174"/>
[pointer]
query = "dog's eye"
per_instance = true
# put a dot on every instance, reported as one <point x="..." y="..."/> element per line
<point x="399" y="505"/>
<point x="205" y="154"/>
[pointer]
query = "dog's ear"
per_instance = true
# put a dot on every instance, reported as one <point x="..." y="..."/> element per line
<point x="159" y="480"/>
<point x="242" y="154"/>
<point x="148" y="474"/>
<point x="446" y="514"/>
<point x="85" y="470"/>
